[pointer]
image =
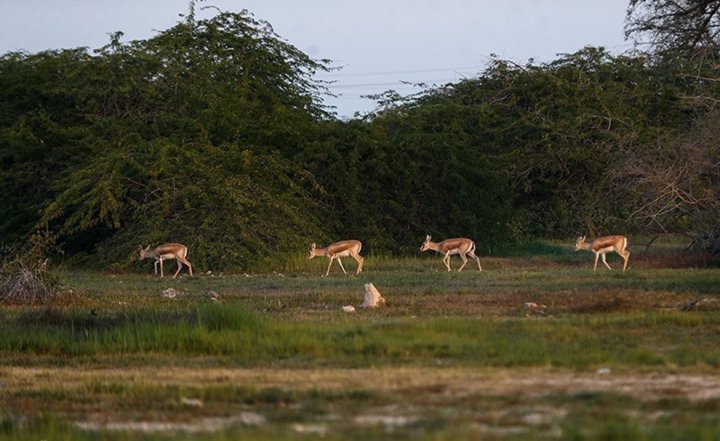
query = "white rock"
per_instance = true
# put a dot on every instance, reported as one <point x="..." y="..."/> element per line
<point x="533" y="305"/>
<point x="191" y="402"/>
<point x="170" y="293"/>
<point x="373" y="299"/>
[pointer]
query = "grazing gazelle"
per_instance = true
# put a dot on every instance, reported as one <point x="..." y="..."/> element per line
<point x="464" y="247"/>
<point x="167" y="251"/>
<point x="337" y="250"/>
<point x="603" y="245"/>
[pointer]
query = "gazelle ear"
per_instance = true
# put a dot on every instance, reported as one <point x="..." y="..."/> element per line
<point x="312" y="247"/>
<point x="427" y="238"/>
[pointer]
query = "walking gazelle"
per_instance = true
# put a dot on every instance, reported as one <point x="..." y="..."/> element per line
<point x="603" y="245"/>
<point x="337" y="250"/>
<point x="167" y="251"/>
<point x="448" y="247"/>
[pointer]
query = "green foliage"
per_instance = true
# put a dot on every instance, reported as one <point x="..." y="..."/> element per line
<point x="227" y="205"/>
<point x="555" y="129"/>
<point x="176" y="141"/>
<point x="212" y="133"/>
<point x="392" y="181"/>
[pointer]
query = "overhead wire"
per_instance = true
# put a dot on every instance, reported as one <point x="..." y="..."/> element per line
<point x="396" y="72"/>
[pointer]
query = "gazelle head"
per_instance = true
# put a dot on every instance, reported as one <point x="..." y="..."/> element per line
<point x="579" y="243"/>
<point x="312" y="254"/>
<point x="144" y="252"/>
<point x="424" y="246"/>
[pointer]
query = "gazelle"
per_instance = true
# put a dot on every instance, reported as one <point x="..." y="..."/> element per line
<point x="337" y="250"/>
<point x="603" y="245"/>
<point x="167" y="251"/>
<point x="464" y="247"/>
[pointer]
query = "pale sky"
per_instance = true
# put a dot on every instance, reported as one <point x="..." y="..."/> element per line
<point x="379" y="43"/>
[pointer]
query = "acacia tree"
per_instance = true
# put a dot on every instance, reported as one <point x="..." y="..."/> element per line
<point x="672" y="182"/>
<point x="186" y="139"/>
<point x="685" y="25"/>
<point x="557" y="127"/>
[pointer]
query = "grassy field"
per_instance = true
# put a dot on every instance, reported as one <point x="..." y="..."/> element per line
<point x="537" y="346"/>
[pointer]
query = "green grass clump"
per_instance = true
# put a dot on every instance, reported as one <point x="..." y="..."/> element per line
<point x="246" y="338"/>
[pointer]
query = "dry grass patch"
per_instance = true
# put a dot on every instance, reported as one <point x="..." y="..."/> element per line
<point x="415" y="402"/>
<point x="453" y="382"/>
<point x="28" y="284"/>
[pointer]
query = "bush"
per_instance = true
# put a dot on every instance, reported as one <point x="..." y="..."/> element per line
<point x="21" y="284"/>
<point x="26" y="279"/>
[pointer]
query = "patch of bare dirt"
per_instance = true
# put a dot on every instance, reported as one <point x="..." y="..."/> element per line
<point x="688" y="259"/>
<point x="554" y="302"/>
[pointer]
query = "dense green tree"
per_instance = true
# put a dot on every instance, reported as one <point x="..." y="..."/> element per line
<point x="399" y="177"/>
<point x="213" y="133"/>
<point x="173" y="138"/>
<point x="547" y="135"/>
<point x="42" y="128"/>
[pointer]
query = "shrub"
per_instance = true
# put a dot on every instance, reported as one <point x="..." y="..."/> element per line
<point x="26" y="280"/>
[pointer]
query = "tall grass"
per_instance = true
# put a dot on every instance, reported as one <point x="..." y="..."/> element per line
<point x="240" y="337"/>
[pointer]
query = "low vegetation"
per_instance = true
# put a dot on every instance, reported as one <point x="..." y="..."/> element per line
<point x="26" y="278"/>
<point x="535" y="345"/>
<point x="20" y="284"/>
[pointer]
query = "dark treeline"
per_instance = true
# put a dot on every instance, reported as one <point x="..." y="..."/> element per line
<point x="213" y="134"/>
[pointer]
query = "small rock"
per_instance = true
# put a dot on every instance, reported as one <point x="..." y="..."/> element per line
<point x="373" y="299"/>
<point x="191" y="402"/>
<point x="252" y="419"/>
<point x="534" y="309"/>
<point x="532" y="305"/>
<point x="214" y="296"/>
<point x="310" y="429"/>
<point x="170" y="293"/>
<point x="348" y="308"/>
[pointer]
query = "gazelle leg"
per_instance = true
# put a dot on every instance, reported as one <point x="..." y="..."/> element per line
<point x="187" y="262"/>
<point x="626" y="256"/>
<point x="597" y="255"/>
<point x="605" y="261"/>
<point x="341" y="266"/>
<point x="476" y="258"/>
<point x="161" y="268"/>
<point x="446" y="261"/>
<point x="464" y="259"/>
<point x="329" y="265"/>
<point x="471" y="254"/>
<point x="360" y="262"/>
<point x="179" y="268"/>
<point x="156" y="264"/>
